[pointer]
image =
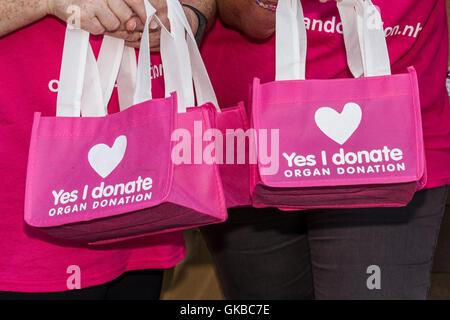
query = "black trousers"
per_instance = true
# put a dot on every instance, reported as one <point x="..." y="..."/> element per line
<point x="133" y="285"/>
<point x="376" y="253"/>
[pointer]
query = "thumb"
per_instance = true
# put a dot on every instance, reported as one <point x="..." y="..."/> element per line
<point x="134" y="24"/>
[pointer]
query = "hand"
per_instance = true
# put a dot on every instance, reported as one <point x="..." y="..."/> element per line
<point x="121" y="18"/>
<point x="248" y="17"/>
<point x="155" y="28"/>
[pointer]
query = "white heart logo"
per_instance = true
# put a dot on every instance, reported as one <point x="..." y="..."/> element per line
<point x="339" y="127"/>
<point x="104" y="159"/>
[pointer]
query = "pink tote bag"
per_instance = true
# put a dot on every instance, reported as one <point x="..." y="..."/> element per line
<point x="234" y="166"/>
<point x="231" y="142"/>
<point x="101" y="178"/>
<point x="341" y="143"/>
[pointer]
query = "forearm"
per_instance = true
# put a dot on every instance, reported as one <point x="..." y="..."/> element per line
<point x="247" y="17"/>
<point x="15" y="14"/>
<point x="207" y="7"/>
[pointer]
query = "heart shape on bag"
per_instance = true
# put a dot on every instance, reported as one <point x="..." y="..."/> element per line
<point x="104" y="159"/>
<point x="339" y="127"/>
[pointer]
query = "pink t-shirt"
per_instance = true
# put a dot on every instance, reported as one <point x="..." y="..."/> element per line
<point x="30" y="62"/>
<point x="416" y="36"/>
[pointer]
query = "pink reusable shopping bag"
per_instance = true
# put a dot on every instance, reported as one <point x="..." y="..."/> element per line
<point x="341" y="143"/>
<point x="231" y="145"/>
<point x="234" y="165"/>
<point x="101" y="178"/>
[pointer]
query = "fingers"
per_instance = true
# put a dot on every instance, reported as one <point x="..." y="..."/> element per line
<point x="123" y="19"/>
<point x="125" y="35"/>
<point x="154" y="43"/>
<point x="154" y="26"/>
<point x="162" y="13"/>
<point x="138" y="7"/>
<point x="122" y="11"/>
<point x="137" y="44"/>
<point x="94" y="27"/>
<point x="133" y="44"/>
<point x="155" y="39"/>
<point x="134" y="24"/>
<point x="106" y="17"/>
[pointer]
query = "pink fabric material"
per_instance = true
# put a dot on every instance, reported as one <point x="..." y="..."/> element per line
<point x="72" y="198"/>
<point x="383" y="114"/>
<point x="235" y="173"/>
<point x="363" y="196"/>
<point x="416" y="36"/>
<point x="31" y="261"/>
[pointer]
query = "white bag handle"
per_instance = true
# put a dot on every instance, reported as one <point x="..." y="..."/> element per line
<point x="181" y="60"/>
<point x="85" y="85"/>
<point x="73" y="67"/>
<point x="117" y="62"/>
<point x="175" y="58"/>
<point x="364" y="39"/>
<point x="182" y="64"/>
<point x="192" y="60"/>
<point x="130" y="74"/>
<point x="290" y="39"/>
<point x="126" y="80"/>
<point x="177" y="73"/>
<point x="367" y="53"/>
<point x="143" y="80"/>
<point x="90" y="92"/>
